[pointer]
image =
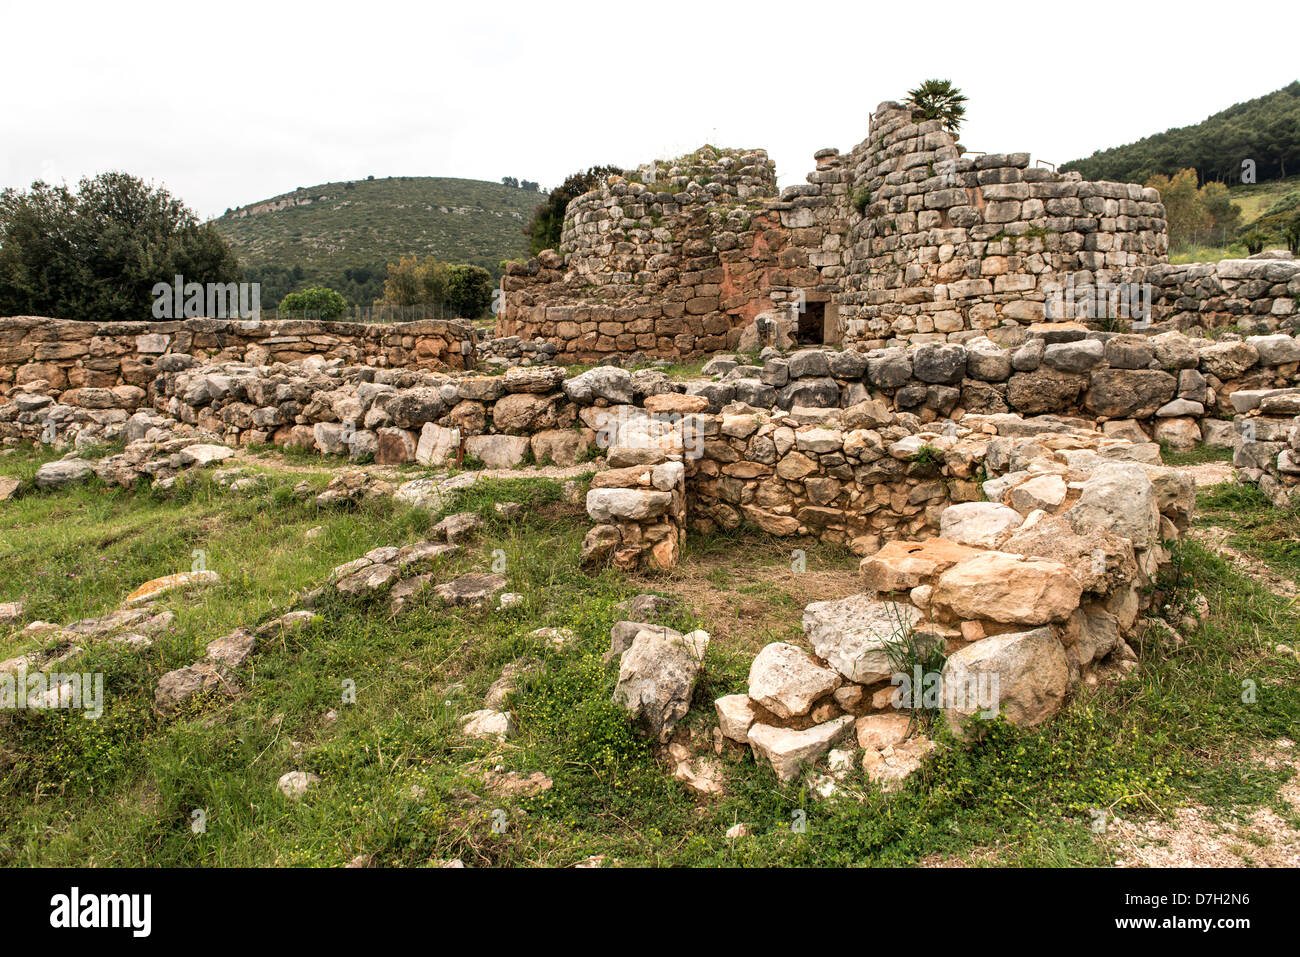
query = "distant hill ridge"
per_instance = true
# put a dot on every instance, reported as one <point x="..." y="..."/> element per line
<point x="1265" y="130"/>
<point x="343" y="234"/>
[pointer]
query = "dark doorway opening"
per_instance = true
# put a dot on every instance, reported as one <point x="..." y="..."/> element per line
<point x="812" y="324"/>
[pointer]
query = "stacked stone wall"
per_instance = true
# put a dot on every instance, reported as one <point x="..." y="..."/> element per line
<point x="904" y="240"/>
<point x="1265" y="439"/>
<point x="1257" y="295"/>
<point x="1167" y="387"/>
<point x="67" y="354"/>
<point x="673" y="266"/>
<point x="943" y="241"/>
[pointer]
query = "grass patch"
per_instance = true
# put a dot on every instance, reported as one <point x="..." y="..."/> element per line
<point x="402" y="787"/>
<point x="1260" y="528"/>
<point x="1197" y="456"/>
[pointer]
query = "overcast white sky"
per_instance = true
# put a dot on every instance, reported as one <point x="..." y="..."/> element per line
<point x="232" y="102"/>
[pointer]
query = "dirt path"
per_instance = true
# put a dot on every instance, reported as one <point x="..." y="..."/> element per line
<point x="1195" y="838"/>
<point x="1215" y="537"/>
<point x="1209" y="473"/>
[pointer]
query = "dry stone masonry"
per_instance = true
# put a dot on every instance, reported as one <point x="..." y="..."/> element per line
<point x="1038" y="585"/>
<point x="69" y="355"/>
<point x="671" y="265"/>
<point x="1258" y="295"/>
<point x="906" y="239"/>
<point x="842" y="445"/>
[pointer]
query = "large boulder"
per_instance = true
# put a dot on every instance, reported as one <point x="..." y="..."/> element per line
<point x="524" y="412"/>
<point x="1129" y="393"/>
<point x="853" y="634"/>
<point x="787" y="680"/>
<point x="901" y="566"/>
<point x="1174" y="351"/>
<point x="1045" y="491"/>
<point x="889" y="369"/>
<point x="821" y="393"/>
<point x="414" y="407"/>
<point x="562" y="447"/>
<point x="673" y="403"/>
<point x="1228" y="360"/>
<point x="1101" y="561"/>
<point x="1007" y="588"/>
<point x="472" y="589"/>
<point x="810" y="364"/>
<point x="1275" y="350"/>
<point x="987" y="361"/>
<point x="626" y="504"/>
<point x="394" y="446"/>
<point x="499" y="451"/>
<point x="1180" y="434"/>
<point x="437" y="444"/>
<point x="1044" y="390"/>
<point x="202" y="455"/>
<point x="535" y="380"/>
<point x="1080" y="356"/>
<point x="978" y="524"/>
<point x="609" y="384"/>
<point x="599" y="544"/>
<point x="62" y="473"/>
<point x="1027" y="672"/>
<point x="1129" y="352"/>
<point x="176" y="688"/>
<point x="1119" y="498"/>
<point x="656" y="678"/>
<point x="789" y="751"/>
<point x="939" y="363"/>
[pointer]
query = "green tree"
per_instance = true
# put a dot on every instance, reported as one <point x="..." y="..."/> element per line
<point x="413" y="282"/>
<point x="1185" y="211"/>
<point x="938" y="100"/>
<point x="403" y="287"/>
<point x="469" y="290"/>
<point x="462" y="289"/>
<point x="96" y="253"/>
<point x="318" y="302"/>
<point x="1224" y="214"/>
<point x="544" y="230"/>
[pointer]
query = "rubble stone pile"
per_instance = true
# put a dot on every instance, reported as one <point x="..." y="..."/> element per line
<point x="1022" y="595"/>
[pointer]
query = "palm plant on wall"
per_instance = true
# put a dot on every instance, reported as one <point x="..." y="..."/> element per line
<point x="938" y="100"/>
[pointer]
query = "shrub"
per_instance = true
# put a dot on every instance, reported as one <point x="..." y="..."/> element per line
<point x="318" y="302"/>
<point x="1255" y="241"/>
<point x="544" y="230"/>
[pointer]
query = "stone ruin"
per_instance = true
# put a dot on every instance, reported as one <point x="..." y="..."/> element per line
<point x="902" y="386"/>
<point x="1008" y="504"/>
<point x="907" y="239"/>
